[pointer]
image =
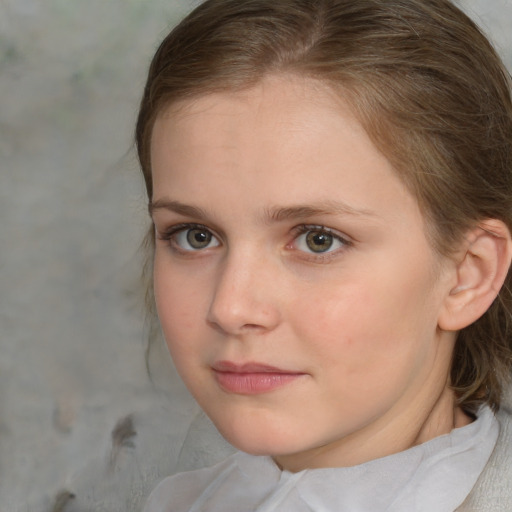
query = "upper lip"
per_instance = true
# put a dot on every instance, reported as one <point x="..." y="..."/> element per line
<point x="252" y="367"/>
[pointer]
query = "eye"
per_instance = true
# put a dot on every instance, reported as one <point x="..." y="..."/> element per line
<point x="191" y="238"/>
<point x="195" y="239"/>
<point x="319" y="240"/>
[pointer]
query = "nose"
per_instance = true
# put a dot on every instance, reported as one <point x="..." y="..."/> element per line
<point x="246" y="297"/>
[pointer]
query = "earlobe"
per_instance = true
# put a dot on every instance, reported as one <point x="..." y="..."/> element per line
<point x="480" y="274"/>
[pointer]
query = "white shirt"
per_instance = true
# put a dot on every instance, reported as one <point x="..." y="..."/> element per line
<point x="433" y="477"/>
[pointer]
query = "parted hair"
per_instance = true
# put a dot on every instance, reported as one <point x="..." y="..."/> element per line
<point x="426" y="85"/>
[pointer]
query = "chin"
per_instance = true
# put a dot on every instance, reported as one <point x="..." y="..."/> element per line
<point x="259" y="439"/>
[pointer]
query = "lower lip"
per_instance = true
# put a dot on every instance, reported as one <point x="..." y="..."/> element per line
<point x="254" y="383"/>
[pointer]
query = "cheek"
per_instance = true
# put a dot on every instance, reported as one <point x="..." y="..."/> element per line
<point x="181" y="305"/>
<point x="342" y="329"/>
<point x="366" y="320"/>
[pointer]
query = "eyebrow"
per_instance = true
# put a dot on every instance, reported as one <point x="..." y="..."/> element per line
<point x="271" y="214"/>
<point x="279" y="214"/>
<point x="176" y="207"/>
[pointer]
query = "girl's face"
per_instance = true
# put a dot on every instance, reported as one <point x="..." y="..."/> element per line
<point x="295" y="285"/>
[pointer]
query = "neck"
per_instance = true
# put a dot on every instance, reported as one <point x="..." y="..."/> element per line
<point x="428" y="410"/>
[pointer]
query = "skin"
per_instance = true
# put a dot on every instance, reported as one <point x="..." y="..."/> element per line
<point x="357" y="324"/>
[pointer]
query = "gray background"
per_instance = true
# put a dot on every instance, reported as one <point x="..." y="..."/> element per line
<point x="72" y="336"/>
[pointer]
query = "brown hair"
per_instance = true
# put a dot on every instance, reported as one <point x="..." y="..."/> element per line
<point x="424" y="82"/>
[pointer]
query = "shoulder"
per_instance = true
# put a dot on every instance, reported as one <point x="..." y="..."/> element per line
<point x="245" y="478"/>
<point x="182" y="489"/>
<point x="493" y="490"/>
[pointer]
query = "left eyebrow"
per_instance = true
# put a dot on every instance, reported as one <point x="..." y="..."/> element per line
<point x="297" y="212"/>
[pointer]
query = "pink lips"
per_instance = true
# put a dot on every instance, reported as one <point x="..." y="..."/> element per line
<point x="251" y="378"/>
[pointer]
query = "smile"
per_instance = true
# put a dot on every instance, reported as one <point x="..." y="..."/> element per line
<point x="252" y="378"/>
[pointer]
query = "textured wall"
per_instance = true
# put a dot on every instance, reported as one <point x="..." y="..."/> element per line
<point x="72" y="216"/>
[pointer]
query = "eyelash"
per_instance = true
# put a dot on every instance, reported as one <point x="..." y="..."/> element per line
<point x="303" y="229"/>
<point x="170" y="234"/>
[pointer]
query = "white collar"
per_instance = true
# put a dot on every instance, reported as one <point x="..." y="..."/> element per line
<point x="436" y="475"/>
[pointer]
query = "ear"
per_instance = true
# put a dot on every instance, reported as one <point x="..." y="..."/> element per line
<point x="480" y="273"/>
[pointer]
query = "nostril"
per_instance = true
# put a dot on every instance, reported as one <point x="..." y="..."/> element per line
<point x="215" y="326"/>
<point x="248" y="317"/>
<point x="242" y="300"/>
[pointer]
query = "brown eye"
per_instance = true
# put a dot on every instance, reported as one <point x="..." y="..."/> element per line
<point x="319" y="241"/>
<point x="199" y="238"/>
<point x="195" y="238"/>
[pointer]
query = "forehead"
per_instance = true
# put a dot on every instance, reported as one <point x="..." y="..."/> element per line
<point x="277" y="112"/>
<point x="270" y="103"/>
<point x="286" y="138"/>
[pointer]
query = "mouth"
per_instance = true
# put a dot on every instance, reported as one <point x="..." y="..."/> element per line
<point x="252" y="378"/>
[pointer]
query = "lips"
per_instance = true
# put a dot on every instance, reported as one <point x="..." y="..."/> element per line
<point x="252" y="378"/>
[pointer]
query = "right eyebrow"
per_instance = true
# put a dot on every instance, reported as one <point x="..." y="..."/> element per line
<point x="176" y="207"/>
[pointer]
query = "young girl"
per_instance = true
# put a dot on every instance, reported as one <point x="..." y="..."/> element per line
<point x="330" y="185"/>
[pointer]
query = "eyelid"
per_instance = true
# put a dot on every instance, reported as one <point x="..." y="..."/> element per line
<point x="168" y="234"/>
<point x="305" y="228"/>
<point x="345" y="240"/>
